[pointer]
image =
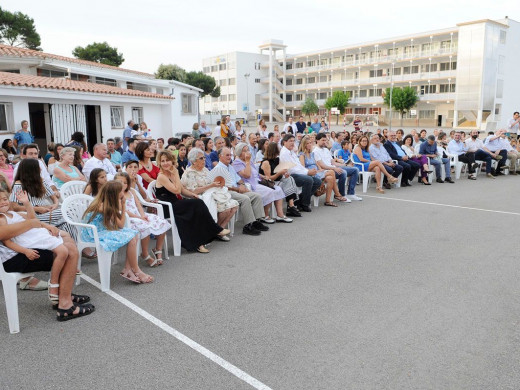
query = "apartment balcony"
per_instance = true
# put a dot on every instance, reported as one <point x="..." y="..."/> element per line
<point x="400" y="79"/>
<point x="276" y="82"/>
<point x="383" y="59"/>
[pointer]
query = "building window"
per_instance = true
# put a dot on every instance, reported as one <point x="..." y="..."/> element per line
<point x="288" y="98"/>
<point x="500" y="88"/>
<point x="223" y="98"/>
<point x="232" y="97"/>
<point x="311" y="63"/>
<point x="376" y="92"/>
<point x="257" y="81"/>
<point x="232" y="81"/>
<point x="257" y="65"/>
<point x="299" y="65"/>
<point x="363" y="93"/>
<point x="299" y="81"/>
<point x="288" y="82"/>
<point x="311" y="80"/>
<point x="324" y="79"/>
<point x="102" y="80"/>
<point x="376" y="73"/>
<point x="116" y="117"/>
<point x="50" y="73"/>
<point x="222" y="67"/>
<point x="136" y="86"/>
<point x="188" y="106"/>
<point x="322" y="95"/>
<point x="222" y="82"/>
<point x="214" y="68"/>
<point x="429" y="68"/>
<point x="411" y="69"/>
<point x="426" y="114"/>
<point x="299" y="97"/>
<point x="6" y="117"/>
<point x="137" y="114"/>
<point x="446" y="88"/>
<point x="503" y="36"/>
<point x="288" y="66"/>
<point x="206" y="69"/>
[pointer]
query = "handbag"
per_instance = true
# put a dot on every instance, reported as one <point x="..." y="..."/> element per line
<point x="320" y="191"/>
<point x="267" y="182"/>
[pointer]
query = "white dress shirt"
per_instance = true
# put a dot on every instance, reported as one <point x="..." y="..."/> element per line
<point x="474" y="145"/>
<point x="289" y="155"/>
<point x="323" y="154"/>
<point x="105" y="165"/>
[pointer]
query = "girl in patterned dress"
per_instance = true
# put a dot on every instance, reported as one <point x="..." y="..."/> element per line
<point x="108" y="213"/>
<point x="144" y="223"/>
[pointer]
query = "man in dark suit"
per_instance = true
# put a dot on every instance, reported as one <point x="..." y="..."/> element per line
<point x="410" y="167"/>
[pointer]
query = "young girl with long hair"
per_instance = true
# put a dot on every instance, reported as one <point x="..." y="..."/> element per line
<point x="98" y="178"/>
<point x="144" y="223"/>
<point x="108" y="213"/>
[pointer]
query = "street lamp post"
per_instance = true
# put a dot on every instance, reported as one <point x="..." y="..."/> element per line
<point x="246" y="76"/>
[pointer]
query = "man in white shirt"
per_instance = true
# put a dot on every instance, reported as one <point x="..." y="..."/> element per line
<point x="231" y="125"/>
<point x="494" y="145"/>
<point x="216" y="131"/>
<point x="204" y="129"/>
<point x="290" y="127"/>
<point x="457" y="147"/>
<point x="31" y="151"/>
<point x="475" y="145"/>
<point x="99" y="160"/>
<point x="512" y="153"/>
<point x="514" y="124"/>
<point x="303" y="177"/>
<point x="324" y="160"/>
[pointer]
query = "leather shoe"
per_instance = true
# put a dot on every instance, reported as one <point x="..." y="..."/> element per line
<point x="449" y="180"/>
<point x="387" y="186"/>
<point x="250" y="230"/>
<point x="439" y="180"/>
<point x="260" y="226"/>
<point x="306" y="208"/>
<point x="293" y="212"/>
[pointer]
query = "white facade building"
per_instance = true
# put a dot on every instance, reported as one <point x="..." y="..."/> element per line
<point x="60" y="95"/>
<point x="465" y="77"/>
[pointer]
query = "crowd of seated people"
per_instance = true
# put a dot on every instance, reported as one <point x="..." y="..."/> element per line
<point x="208" y="177"/>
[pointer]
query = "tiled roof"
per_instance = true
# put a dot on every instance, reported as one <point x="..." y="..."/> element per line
<point x="11" y="51"/>
<point x="23" y="80"/>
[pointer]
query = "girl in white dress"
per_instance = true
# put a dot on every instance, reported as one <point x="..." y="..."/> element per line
<point x="144" y="223"/>
<point x="47" y="237"/>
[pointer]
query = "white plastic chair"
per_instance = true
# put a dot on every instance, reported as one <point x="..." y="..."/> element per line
<point x="160" y="214"/>
<point x="73" y="209"/>
<point x="175" y="233"/>
<point x="9" y="281"/>
<point x="367" y="176"/>
<point x="73" y="187"/>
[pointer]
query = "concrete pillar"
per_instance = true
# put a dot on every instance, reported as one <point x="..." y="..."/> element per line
<point x="270" y="84"/>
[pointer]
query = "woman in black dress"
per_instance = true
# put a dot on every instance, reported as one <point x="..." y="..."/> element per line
<point x="194" y="222"/>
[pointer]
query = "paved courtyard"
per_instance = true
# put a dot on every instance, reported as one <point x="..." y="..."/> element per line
<point x="414" y="289"/>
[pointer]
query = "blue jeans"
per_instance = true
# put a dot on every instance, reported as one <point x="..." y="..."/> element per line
<point x="437" y="165"/>
<point x="482" y="155"/>
<point x="352" y="174"/>
<point x="342" y="179"/>
<point x="309" y="186"/>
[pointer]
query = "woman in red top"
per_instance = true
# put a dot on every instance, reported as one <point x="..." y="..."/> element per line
<point x="147" y="169"/>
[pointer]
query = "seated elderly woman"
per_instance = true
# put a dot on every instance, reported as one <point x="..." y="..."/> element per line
<point x="246" y="169"/>
<point x="41" y="195"/>
<point x="64" y="170"/>
<point x="325" y="175"/>
<point x="193" y="219"/>
<point x="195" y="179"/>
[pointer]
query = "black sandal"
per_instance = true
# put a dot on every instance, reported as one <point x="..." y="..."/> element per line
<point x="78" y="299"/>
<point x="68" y="314"/>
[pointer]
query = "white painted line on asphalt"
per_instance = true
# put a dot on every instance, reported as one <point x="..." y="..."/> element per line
<point x="184" y="339"/>
<point x="442" y="204"/>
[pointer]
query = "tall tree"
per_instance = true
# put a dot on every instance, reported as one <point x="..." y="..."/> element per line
<point x="171" y="72"/>
<point x="339" y="99"/>
<point x="204" y="82"/>
<point x="17" y="29"/>
<point x="310" y="107"/>
<point x="100" y="52"/>
<point x="403" y="99"/>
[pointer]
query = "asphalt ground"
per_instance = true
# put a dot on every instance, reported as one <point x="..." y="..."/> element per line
<point x="399" y="291"/>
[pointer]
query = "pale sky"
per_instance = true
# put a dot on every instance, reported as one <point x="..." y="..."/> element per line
<point x="152" y="32"/>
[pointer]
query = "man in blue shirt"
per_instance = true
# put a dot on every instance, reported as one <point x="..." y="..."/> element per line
<point x="337" y="144"/>
<point x="378" y="152"/>
<point x="316" y="126"/>
<point x="127" y="133"/>
<point x="130" y="153"/>
<point x="219" y="144"/>
<point x="301" y="125"/>
<point x="429" y="149"/>
<point x="410" y="167"/>
<point x="115" y="156"/>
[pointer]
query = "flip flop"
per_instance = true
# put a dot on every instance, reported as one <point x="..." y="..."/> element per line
<point x="133" y="278"/>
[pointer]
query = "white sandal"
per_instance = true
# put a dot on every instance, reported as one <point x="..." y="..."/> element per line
<point x="39" y="287"/>
<point x="153" y="263"/>
<point x="54" y="298"/>
<point x="156" y="252"/>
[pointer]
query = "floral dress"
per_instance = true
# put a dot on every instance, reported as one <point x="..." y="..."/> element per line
<point x="155" y="225"/>
<point x="110" y="240"/>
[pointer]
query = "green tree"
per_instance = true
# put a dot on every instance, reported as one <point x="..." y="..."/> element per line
<point x="204" y="82"/>
<point x="171" y="72"/>
<point x="17" y="29"/>
<point x="339" y="99"/>
<point x="98" y="52"/>
<point x="403" y="99"/>
<point x="310" y="107"/>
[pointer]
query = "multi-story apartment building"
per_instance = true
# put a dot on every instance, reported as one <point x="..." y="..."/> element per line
<point x="465" y="76"/>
